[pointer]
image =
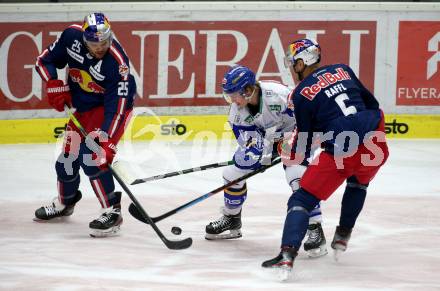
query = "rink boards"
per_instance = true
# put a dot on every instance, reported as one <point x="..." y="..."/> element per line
<point x="204" y="128"/>
<point x="179" y="53"/>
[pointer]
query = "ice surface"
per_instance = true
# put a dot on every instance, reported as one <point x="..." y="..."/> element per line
<point x="395" y="245"/>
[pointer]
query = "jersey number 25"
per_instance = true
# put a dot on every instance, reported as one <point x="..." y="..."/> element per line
<point x="123" y="88"/>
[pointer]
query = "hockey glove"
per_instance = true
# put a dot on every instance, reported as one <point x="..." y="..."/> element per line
<point x="249" y="156"/>
<point x="106" y="151"/>
<point x="58" y="94"/>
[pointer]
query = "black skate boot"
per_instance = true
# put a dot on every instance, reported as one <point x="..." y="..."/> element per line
<point x="283" y="263"/>
<point x="215" y="229"/>
<point x="56" y="209"/>
<point x="315" y="245"/>
<point x="340" y="240"/>
<point x="109" y="223"/>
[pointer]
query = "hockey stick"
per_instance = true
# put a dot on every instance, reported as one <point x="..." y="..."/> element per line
<point x="136" y="213"/>
<point x="174" y="245"/>
<point x="182" y="172"/>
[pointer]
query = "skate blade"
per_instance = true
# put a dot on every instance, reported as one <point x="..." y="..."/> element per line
<point x="284" y="274"/>
<point x="98" y="233"/>
<point x="52" y="220"/>
<point x="231" y="235"/>
<point x="318" y="252"/>
<point x="337" y="254"/>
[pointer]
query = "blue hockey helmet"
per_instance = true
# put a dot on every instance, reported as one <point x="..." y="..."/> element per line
<point x="306" y="49"/>
<point x="96" y="28"/>
<point x="235" y="80"/>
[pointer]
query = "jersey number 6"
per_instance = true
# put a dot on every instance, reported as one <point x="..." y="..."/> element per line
<point x="340" y="101"/>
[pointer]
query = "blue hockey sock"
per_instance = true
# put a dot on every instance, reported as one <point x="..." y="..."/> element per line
<point x="234" y="198"/>
<point x="315" y="214"/>
<point x="104" y="187"/>
<point x="352" y="202"/>
<point x="67" y="169"/>
<point x="295" y="226"/>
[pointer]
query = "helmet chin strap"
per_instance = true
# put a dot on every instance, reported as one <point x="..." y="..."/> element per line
<point x="248" y="98"/>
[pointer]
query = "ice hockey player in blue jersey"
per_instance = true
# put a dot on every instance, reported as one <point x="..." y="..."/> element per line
<point x="259" y="118"/>
<point x="334" y="109"/>
<point x="101" y="89"/>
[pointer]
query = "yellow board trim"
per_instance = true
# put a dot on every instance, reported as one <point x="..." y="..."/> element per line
<point x="188" y="128"/>
<point x="166" y="128"/>
<point x="412" y="126"/>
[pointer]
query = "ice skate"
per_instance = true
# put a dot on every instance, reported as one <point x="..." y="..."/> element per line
<point x="227" y="223"/>
<point x="56" y="209"/>
<point x="108" y="224"/>
<point x="315" y="245"/>
<point x="340" y="241"/>
<point x="283" y="263"/>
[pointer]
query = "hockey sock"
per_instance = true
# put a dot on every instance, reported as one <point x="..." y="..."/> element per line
<point x="298" y="211"/>
<point x="315" y="214"/>
<point x="104" y="187"/>
<point x="352" y="202"/>
<point x="234" y="199"/>
<point x="68" y="179"/>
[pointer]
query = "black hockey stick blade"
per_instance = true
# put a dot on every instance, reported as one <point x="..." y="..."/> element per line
<point x="171" y="244"/>
<point x="136" y="213"/>
<point x="178" y="244"/>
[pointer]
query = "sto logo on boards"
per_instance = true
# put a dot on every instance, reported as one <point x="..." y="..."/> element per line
<point x="396" y="127"/>
<point x="173" y="129"/>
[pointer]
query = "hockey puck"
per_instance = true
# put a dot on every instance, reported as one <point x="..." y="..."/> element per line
<point x="176" y="230"/>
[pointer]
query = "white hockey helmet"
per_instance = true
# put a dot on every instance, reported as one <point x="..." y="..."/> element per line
<point x="305" y="49"/>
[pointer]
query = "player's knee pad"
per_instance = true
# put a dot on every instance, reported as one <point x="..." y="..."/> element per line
<point x="90" y="170"/>
<point x="353" y="182"/>
<point x="354" y="188"/>
<point x="300" y="204"/>
<point x="232" y="173"/>
<point x="293" y="175"/>
<point x="67" y="167"/>
<point x="302" y="200"/>
<point x="355" y="192"/>
<point x="89" y="166"/>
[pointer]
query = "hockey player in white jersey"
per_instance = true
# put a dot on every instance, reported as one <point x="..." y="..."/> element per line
<point x="259" y="117"/>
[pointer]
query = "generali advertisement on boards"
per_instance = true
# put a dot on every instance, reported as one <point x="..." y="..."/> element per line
<point x="180" y="63"/>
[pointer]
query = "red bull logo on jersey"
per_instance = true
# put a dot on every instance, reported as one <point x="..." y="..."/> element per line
<point x="323" y="81"/>
<point x="124" y="70"/>
<point x="85" y="81"/>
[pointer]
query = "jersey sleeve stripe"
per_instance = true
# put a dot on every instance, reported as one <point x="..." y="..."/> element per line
<point x="118" y="56"/>
<point x="116" y="122"/>
<point x="76" y="26"/>
<point x="41" y="69"/>
<point x="290" y="96"/>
